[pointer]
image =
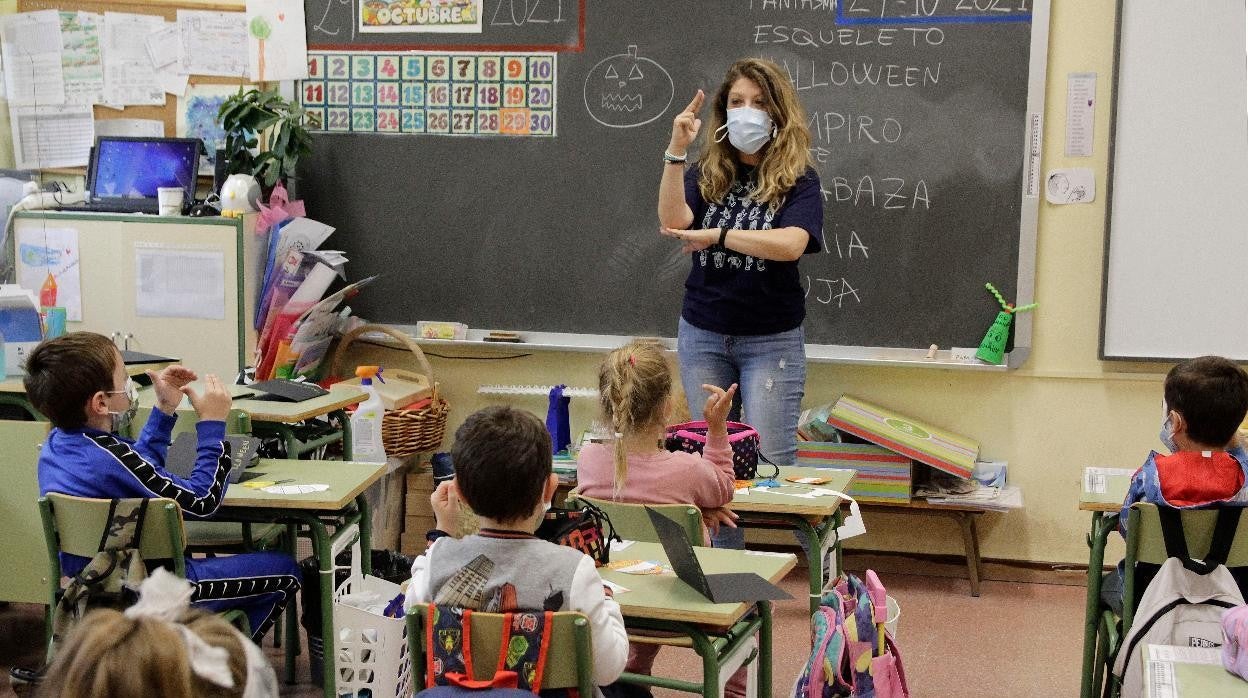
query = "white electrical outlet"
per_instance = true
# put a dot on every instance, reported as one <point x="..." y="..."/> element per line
<point x="962" y="354"/>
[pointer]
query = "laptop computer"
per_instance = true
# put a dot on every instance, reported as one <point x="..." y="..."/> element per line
<point x="728" y="587"/>
<point x="180" y="460"/>
<point x="124" y="173"/>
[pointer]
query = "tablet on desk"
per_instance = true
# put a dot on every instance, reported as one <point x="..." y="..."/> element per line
<point x="180" y="460"/>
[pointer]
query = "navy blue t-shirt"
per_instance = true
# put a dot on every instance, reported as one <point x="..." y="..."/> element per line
<point x="736" y="294"/>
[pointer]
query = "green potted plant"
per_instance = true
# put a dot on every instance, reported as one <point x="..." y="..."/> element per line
<point x="252" y="115"/>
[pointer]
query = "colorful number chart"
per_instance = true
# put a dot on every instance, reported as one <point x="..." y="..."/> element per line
<point x="442" y="93"/>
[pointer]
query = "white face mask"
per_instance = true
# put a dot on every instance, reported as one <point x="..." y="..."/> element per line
<point x="749" y="129"/>
<point x="121" y="420"/>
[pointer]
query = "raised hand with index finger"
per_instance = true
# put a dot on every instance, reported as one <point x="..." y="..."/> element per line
<point x="685" y="126"/>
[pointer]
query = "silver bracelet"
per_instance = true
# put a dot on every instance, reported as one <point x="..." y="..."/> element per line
<point x="668" y="157"/>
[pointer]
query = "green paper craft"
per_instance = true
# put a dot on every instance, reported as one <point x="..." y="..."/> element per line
<point x="992" y="348"/>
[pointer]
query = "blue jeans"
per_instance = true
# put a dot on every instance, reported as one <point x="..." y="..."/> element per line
<point x="770" y="372"/>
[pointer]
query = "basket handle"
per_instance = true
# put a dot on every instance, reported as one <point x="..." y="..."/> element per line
<point x="410" y="344"/>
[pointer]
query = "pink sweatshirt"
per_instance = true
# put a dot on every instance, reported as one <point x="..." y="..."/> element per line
<point x="659" y="477"/>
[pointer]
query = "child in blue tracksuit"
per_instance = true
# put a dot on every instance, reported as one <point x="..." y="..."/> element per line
<point x="79" y="382"/>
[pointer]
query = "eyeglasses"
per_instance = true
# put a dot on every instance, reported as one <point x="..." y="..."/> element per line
<point x="131" y="390"/>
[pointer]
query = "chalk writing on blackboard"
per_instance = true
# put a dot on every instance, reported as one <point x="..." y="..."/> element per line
<point x="627" y="90"/>
<point x="328" y="25"/>
<point x="517" y="13"/>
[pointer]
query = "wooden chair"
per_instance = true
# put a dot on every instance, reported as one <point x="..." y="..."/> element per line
<point x="632" y="522"/>
<point x="1145" y="544"/>
<point x="569" y="662"/>
<point x="74" y="525"/>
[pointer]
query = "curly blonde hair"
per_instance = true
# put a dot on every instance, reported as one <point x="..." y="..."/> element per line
<point x="785" y="158"/>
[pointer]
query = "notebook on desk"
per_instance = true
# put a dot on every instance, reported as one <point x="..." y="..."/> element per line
<point x="727" y="587"/>
<point x="124" y="173"/>
<point x="180" y="460"/>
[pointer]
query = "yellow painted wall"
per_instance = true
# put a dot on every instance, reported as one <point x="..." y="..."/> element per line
<point x="1062" y="411"/>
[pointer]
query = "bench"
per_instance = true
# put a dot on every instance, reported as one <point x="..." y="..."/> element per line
<point x="964" y="515"/>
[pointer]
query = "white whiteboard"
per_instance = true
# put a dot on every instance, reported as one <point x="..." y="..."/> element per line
<point x="1176" y="257"/>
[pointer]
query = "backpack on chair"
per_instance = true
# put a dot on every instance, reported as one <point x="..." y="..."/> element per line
<point x="853" y="655"/>
<point x="111" y="579"/>
<point x="1184" y="603"/>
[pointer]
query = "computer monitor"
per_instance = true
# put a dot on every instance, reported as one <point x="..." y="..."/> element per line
<point x="134" y="168"/>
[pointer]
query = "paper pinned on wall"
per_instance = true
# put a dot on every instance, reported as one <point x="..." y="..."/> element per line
<point x="213" y="43"/>
<point x="53" y="136"/>
<point x="31" y="45"/>
<point x="1080" y="113"/>
<point x="277" y="45"/>
<point x="197" y="117"/>
<point x="43" y="251"/>
<point x="129" y="77"/>
<point x="82" y="62"/>
<point x="130" y="128"/>
<point x="164" y="45"/>
<point x="182" y="283"/>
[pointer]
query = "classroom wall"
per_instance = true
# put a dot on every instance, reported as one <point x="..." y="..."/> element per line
<point x="1062" y="411"/>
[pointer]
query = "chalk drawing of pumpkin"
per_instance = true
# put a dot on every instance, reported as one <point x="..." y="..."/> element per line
<point x="627" y="90"/>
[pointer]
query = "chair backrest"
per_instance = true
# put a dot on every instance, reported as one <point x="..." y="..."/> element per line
<point x="569" y="662"/>
<point x="632" y="522"/>
<point x="75" y="525"/>
<point x="1145" y="544"/>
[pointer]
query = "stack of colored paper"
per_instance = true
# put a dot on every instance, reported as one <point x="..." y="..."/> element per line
<point x="882" y="475"/>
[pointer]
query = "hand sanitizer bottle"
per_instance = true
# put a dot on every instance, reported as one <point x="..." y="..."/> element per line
<point x="366" y="446"/>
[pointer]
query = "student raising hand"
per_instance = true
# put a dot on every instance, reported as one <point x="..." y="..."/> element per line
<point x="168" y="384"/>
<point x="214" y="404"/>
<point x="718" y="404"/>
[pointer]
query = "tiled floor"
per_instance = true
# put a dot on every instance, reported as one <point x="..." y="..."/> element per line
<point x="1014" y="640"/>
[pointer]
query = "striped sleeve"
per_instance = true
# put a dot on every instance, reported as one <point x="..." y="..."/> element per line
<point x="199" y="495"/>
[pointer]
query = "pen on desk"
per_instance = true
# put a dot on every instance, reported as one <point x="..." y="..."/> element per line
<point x="282" y="482"/>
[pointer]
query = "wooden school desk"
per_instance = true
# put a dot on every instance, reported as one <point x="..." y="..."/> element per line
<point x="1104" y="500"/>
<point x="340" y="506"/>
<point x="817" y="517"/>
<point x="275" y="417"/>
<point x="664" y="603"/>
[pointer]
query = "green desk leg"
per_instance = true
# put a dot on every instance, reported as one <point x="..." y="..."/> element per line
<point x="817" y="535"/>
<point x="764" y="649"/>
<point x="345" y="421"/>
<point x="1102" y="525"/>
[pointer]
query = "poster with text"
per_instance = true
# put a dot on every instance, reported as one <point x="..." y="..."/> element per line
<point x="451" y="16"/>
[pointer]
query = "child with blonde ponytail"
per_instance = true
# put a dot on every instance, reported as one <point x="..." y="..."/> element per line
<point x="635" y="389"/>
<point x="635" y="386"/>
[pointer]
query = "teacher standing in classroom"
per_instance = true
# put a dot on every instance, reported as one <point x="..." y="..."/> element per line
<point x="746" y="211"/>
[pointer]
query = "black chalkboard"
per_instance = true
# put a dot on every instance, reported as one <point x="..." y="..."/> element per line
<point x="920" y="115"/>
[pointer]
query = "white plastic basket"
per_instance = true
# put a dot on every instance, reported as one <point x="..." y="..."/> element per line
<point x="370" y="649"/>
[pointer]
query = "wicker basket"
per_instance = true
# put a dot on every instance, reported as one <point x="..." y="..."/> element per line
<point x="403" y="432"/>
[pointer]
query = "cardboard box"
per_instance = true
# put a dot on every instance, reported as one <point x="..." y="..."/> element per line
<point x="943" y="450"/>
<point x="881" y="475"/>
<point x="399" y="389"/>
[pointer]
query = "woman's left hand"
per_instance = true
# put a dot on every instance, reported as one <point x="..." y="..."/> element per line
<point x="693" y="240"/>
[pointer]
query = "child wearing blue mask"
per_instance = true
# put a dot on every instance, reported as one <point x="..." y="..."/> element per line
<point x="79" y="382"/>
<point x="1206" y="401"/>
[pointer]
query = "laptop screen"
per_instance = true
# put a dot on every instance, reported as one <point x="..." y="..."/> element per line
<point x="134" y="168"/>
